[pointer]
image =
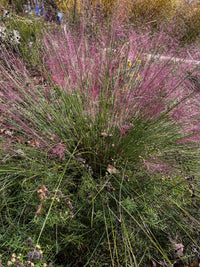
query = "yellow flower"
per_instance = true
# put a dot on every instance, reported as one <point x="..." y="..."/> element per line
<point x="138" y="77"/>
<point x="129" y="63"/>
<point x="139" y="61"/>
<point x="131" y="75"/>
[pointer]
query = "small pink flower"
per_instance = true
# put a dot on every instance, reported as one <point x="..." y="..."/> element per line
<point x="59" y="150"/>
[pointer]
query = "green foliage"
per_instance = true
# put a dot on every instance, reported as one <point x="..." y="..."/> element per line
<point x="29" y="30"/>
<point x="18" y="5"/>
<point x="84" y="218"/>
<point x="102" y="203"/>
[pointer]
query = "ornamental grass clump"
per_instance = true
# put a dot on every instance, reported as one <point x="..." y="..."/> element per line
<point x="118" y="87"/>
<point x="95" y="151"/>
<point x="99" y="95"/>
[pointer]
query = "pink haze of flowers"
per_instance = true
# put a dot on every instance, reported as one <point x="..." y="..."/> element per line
<point x="103" y="70"/>
<point x="160" y="86"/>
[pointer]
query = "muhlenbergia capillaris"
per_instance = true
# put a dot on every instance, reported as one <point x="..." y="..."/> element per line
<point x="123" y="111"/>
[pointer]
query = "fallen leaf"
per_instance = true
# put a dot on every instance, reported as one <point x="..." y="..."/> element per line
<point x="34" y="143"/>
<point x="178" y="247"/>
<point x="196" y="264"/>
<point x="112" y="169"/>
<point x="20" y="152"/>
<point x="38" y="210"/>
<point x="178" y="250"/>
<point x="8" y="133"/>
<point x="104" y="134"/>
<point x="43" y="193"/>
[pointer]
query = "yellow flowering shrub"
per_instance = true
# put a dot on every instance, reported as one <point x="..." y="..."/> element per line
<point x="154" y="11"/>
<point x="82" y="5"/>
<point x="4" y="3"/>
